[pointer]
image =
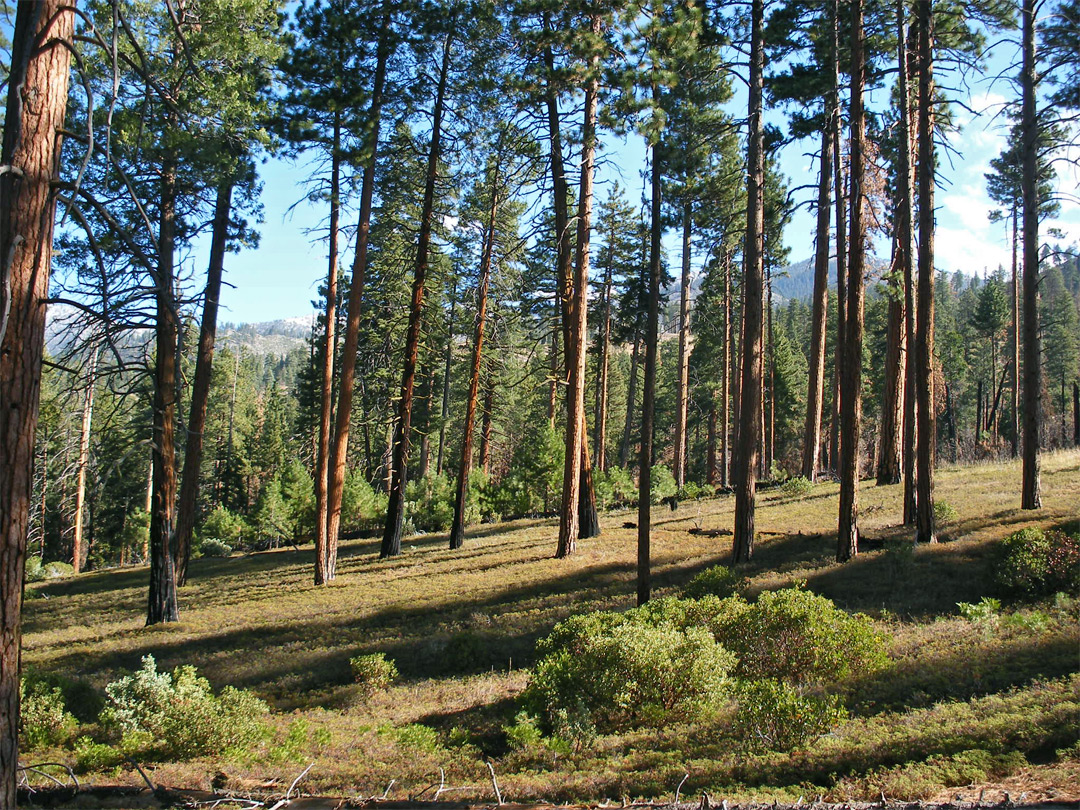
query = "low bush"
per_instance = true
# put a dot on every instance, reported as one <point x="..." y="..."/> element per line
<point x="719" y="580"/>
<point x="798" y="637"/>
<point x="373" y="673"/>
<point x="213" y="547"/>
<point x="43" y="718"/>
<point x="429" y="503"/>
<point x="1033" y="562"/>
<point x="177" y="716"/>
<point x="797" y="487"/>
<point x="774" y="716"/>
<point x="36" y="571"/>
<point x="91" y="756"/>
<point x="608" y="672"/>
<point x="227" y="527"/>
<point x="944" y="513"/>
<point x="661" y="484"/>
<point x="984" y="612"/>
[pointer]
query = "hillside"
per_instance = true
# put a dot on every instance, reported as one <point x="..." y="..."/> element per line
<point x="967" y="703"/>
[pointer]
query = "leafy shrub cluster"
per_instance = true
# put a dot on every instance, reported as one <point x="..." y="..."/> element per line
<point x="797" y="487"/>
<point x="43" y="717"/>
<point x="36" y="571"/>
<point x="429" y="502"/>
<point x="671" y="660"/>
<point x="944" y="513"/>
<point x="719" y="581"/>
<point x="212" y="547"/>
<point x="177" y="716"/>
<point x="373" y="673"/>
<point x="1033" y="562"/>
<point x="614" y="486"/>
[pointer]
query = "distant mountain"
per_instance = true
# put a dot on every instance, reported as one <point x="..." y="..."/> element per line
<point x="267" y="337"/>
<point x="796" y="281"/>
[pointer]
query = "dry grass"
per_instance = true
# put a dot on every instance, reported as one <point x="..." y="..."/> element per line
<point x="461" y="626"/>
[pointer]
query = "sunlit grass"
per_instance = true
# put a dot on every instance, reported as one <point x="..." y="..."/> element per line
<point x="461" y="627"/>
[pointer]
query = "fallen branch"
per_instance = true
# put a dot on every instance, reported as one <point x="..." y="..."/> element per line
<point x="37" y="766"/>
<point x="679" y="788"/>
<point x="494" y="781"/>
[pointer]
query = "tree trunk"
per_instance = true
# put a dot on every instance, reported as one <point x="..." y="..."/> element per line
<point x="1031" y="495"/>
<point x="395" y="510"/>
<point x="753" y="294"/>
<point x="161" y="604"/>
<point x="816" y="387"/>
<point x="444" y="412"/>
<point x="769" y="423"/>
<point x="978" y="412"/>
<point x="847" y="541"/>
<point x="840" y="188"/>
<point x="78" y="553"/>
<point x="710" y="442"/>
<point x="683" y="393"/>
<point x="890" y="463"/>
<point x="326" y="393"/>
<point x="603" y="362"/>
<point x="648" y="404"/>
<point x="31" y="147"/>
<point x="569" y="522"/>
<point x="1076" y="414"/>
<point x="339" y="443"/>
<point x="1014" y="345"/>
<point x="924" y="335"/>
<point x="457" y="528"/>
<point x="905" y="254"/>
<point x="200" y="389"/>
<point x="725" y="381"/>
<point x="631" y="396"/>
<point x="486" y="425"/>
<point x="427" y="383"/>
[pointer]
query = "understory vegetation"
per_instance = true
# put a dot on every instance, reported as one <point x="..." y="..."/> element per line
<point x="913" y="672"/>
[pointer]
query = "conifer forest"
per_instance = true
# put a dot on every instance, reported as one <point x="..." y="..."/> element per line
<point x="630" y="416"/>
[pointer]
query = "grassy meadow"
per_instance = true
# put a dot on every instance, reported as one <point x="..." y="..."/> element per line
<point x="965" y="706"/>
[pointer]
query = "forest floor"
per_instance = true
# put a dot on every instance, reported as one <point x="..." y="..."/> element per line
<point x="966" y="711"/>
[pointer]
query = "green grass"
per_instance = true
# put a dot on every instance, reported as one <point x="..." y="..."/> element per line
<point x="989" y="703"/>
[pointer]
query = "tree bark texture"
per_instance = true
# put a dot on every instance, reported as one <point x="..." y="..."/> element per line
<point x="37" y="98"/>
<point x="847" y="541"/>
<point x="1031" y="494"/>
<point x="890" y="462"/>
<point x="395" y="510"/>
<point x="339" y="443"/>
<point x="200" y="387"/>
<point x="683" y="393"/>
<point x="603" y="363"/>
<point x="326" y="390"/>
<point x="905" y="234"/>
<point x="78" y="552"/>
<point x="819" y="315"/>
<point x="631" y="398"/>
<point x="924" y="334"/>
<point x="749" y="418"/>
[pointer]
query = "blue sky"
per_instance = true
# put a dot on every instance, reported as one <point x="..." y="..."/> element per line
<point x="280" y="278"/>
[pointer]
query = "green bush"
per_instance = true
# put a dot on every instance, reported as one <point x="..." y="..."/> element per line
<point x="608" y="672"/>
<point x="774" y="716"/>
<point x="1032" y="562"/>
<point x="360" y="501"/>
<point x="718" y="580"/>
<point x="177" y="716"/>
<point x="524" y="733"/>
<point x="798" y="637"/>
<point x="661" y="484"/>
<point x="43" y="718"/>
<point x="36" y="571"/>
<point x="373" y="673"/>
<point x="429" y="504"/>
<point x="93" y="756"/>
<point x="797" y="487"/>
<point x="533" y="483"/>
<point x="227" y="527"/>
<point x="213" y="547"/>
<point x="985" y="612"/>
<point x="944" y="513"/>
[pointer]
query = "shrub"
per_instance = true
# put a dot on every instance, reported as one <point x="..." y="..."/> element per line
<point x="36" y="571"/>
<point x="373" y="673"/>
<point x="178" y="716"/>
<point x="43" y="718"/>
<point x="524" y="733"/>
<point x="213" y="547"/>
<point x="985" y="612"/>
<point x="944" y="513"/>
<point x="608" y="672"/>
<point x="661" y="484"/>
<point x="719" y="580"/>
<point x="227" y="527"/>
<point x="360" y="501"/>
<point x="418" y="737"/>
<point x="93" y="756"/>
<point x="797" y="637"/>
<point x="774" y="716"/>
<point x="1032" y="562"/>
<point x="429" y="504"/>
<point x="797" y="487"/>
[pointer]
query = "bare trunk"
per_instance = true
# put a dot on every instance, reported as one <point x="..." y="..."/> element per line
<point x="326" y="393"/>
<point x="1076" y="414"/>
<point x="753" y="294"/>
<point x="486" y="425"/>
<point x="78" y="553"/>
<point x="200" y="389"/>
<point x="604" y="361"/>
<point x="569" y="524"/>
<point x="631" y="396"/>
<point x="847" y="541"/>
<point x="395" y="510"/>
<point x="457" y="528"/>
<point x="444" y="412"/>
<point x="924" y="336"/>
<point x="683" y="393"/>
<point x="905" y="255"/>
<point x="841" y="191"/>
<point x="1014" y="345"/>
<point x="816" y="387"/>
<point x="725" y="381"/>
<point x="1031" y="495"/>
<point x="890" y="462"/>
<point x="339" y="442"/>
<point x="161" y="604"/>
<point x="652" y="323"/>
<point x="710" y="442"/>
<point x="38" y="79"/>
<point x="978" y="412"/>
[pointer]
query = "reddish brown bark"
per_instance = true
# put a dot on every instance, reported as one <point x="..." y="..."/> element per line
<point x="683" y="386"/>
<point x="37" y="98"/>
<point x="78" y="553"/>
